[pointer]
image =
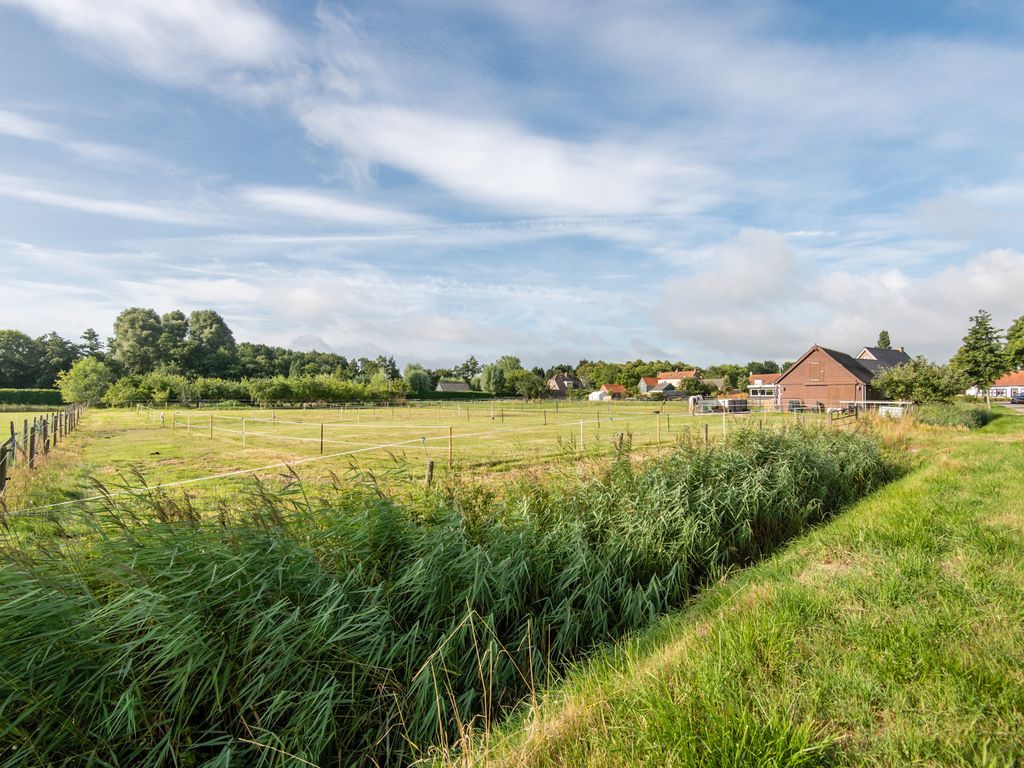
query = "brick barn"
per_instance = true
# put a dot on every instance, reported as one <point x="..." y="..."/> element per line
<point x="830" y="378"/>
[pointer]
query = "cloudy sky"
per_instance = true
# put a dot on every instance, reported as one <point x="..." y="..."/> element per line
<point x="558" y="180"/>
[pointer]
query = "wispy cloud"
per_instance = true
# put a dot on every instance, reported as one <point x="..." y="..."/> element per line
<point x="192" y="42"/>
<point x="311" y="204"/>
<point x="30" y="191"/>
<point x="25" y="127"/>
<point x="513" y="169"/>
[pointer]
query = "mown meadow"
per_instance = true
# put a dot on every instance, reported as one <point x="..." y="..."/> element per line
<point x="348" y="627"/>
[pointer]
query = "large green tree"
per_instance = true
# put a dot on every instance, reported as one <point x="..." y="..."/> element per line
<point x="87" y="381"/>
<point x="884" y="342"/>
<point x="210" y="349"/>
<point x="981" y="358"/>
<point x="921" y="381"/>
<point x="136" y="340"/>
<point x="173" y="339"/>
<point x="56" y="354"/>
<point x="19" y="359"/>
<point x="526" y="383"/>
<point x="92" y="344"/>
<point x="417" y="378"/>
<point x="1015" y="344"/>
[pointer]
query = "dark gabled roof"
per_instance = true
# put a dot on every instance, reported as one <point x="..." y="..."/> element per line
<point x="887" y="357"/>
<point x="452" y="386"/>
<point x="854" y="366"/>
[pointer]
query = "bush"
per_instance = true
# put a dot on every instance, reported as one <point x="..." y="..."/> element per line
<point x="354" y="629"/>
<point x="30" y="397"/>
<point x="87" y="381"/>
<point x="954" y="415"/>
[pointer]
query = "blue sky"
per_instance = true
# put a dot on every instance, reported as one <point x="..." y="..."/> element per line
<point x="697" y="181"/>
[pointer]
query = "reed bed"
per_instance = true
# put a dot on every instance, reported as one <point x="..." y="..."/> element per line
<point x="348" y="628"/>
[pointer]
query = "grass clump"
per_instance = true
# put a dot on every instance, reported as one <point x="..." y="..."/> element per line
<point x="954" y="415"/>
<point x="355" y="630"/>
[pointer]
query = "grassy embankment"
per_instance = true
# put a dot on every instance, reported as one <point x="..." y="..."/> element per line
<point x="347" y="628"/>
<point x="892" y="636"/>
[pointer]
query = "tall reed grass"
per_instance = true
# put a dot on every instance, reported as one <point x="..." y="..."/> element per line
<point x="360" y="631"/>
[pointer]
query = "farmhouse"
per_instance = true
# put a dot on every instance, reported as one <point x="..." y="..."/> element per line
<point x="561" y="383"/>
<point x="614" y="391"/>
<point x="763" y="386"/>
<point x="452" y="386"/>
<point x="826" y="378"/>
<point x="666" y="381"/>
<point x="1007" y="385"/>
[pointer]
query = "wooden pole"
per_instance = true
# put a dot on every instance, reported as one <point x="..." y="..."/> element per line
<point x="321" y="439"/>
<point x="4" y="452"/>
<point x="581" y="434"/>
<point x="450" y="447"/>
<point x="430" y="474"/>
<point x="211" y="426"/>
<point x="705" y="433"/>
<point x="32" y="446"/>
<point x="659" y="429"/>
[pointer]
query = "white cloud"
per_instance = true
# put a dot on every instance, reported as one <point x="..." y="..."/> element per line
<point x="753" y="297"/>
<point x="505" y="166"/>
<point x="27" y="190"/>
<point x="180" y="42"/>
<point x="310" y="204"/>
<point x="25" y="127"/>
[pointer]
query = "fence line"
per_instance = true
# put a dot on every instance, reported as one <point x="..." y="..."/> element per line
<point x="30" y="446"/>
<point x="421" y="440"/>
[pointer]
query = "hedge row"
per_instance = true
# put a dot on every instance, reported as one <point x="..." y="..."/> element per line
<point x="30" y="397"/>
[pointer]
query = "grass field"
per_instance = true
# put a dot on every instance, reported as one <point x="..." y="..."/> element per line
<point x="350" y="627"/>
<point x="119" y="447"/>
<point x="892" y="636"/>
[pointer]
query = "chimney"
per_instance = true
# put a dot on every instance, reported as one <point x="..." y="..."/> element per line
<point x="900" y="349"/>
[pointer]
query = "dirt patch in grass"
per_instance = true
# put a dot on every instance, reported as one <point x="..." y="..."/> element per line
<point x="1012" y="520"/>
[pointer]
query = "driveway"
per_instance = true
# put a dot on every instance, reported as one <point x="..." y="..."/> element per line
<point x="1019" y="409"/>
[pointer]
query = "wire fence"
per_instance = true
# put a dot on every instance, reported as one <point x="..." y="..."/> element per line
<point x="371" y="442"/>
<point x="32" y="444"/>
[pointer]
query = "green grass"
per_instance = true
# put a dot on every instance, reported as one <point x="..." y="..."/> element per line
<point x="345" y="628"/>
<point x="955" y="415"/>
<point x="893" y="636"/>
<point x="120" y="447"/>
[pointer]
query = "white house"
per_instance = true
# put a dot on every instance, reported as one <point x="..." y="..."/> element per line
<point x="599" y="395"/>
<point x="1007" y="385"/>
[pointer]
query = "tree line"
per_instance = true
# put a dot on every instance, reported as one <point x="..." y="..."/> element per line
<point x="192" y="357"/>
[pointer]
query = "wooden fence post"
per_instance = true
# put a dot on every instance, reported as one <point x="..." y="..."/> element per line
<point x="430" y="473"/>
<point x="450" y="446"/>
<point x="321" y="439"/>
<point x="14" y="446"/>
<point x="32" y="446"/>
<point x="4" y="451"/>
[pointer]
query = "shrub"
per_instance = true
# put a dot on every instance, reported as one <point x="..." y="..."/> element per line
<point x="954" y="415"/>
<point x="30" y="397"/>
<point x="355" y="629"/>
